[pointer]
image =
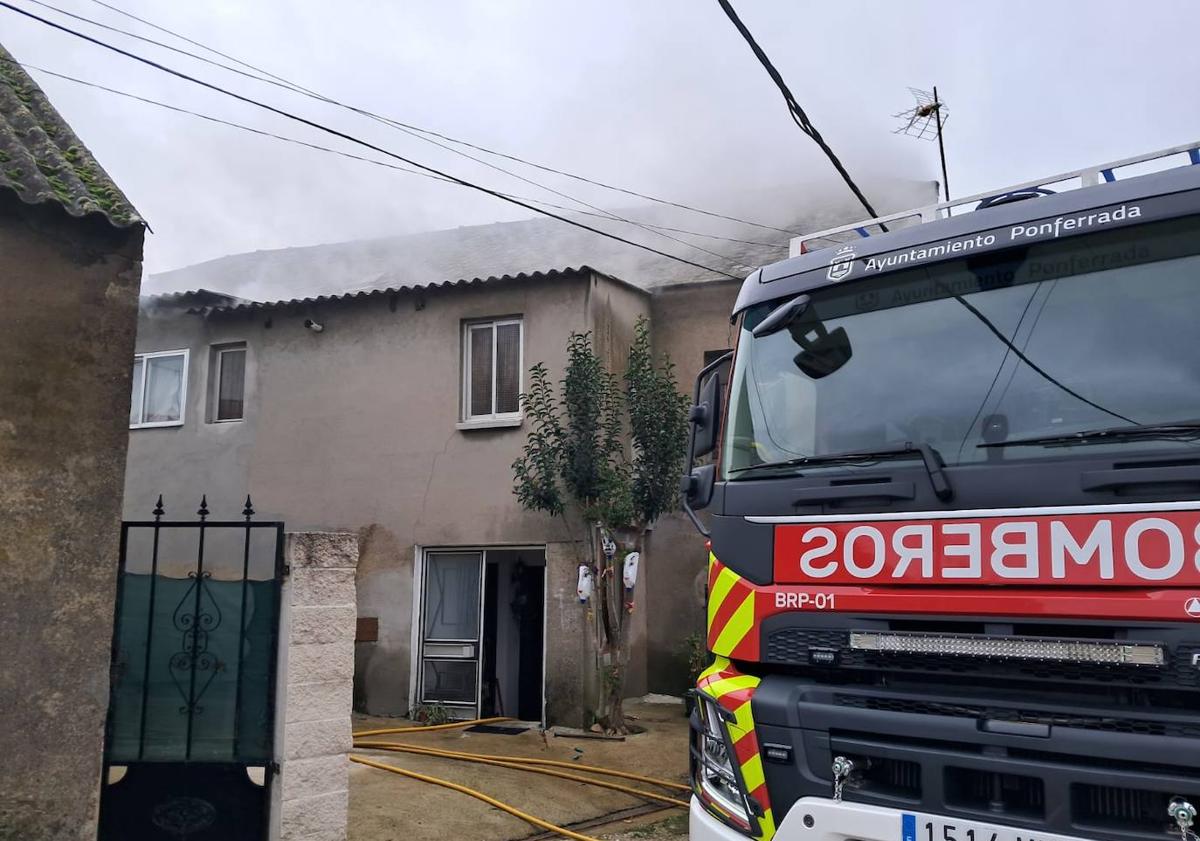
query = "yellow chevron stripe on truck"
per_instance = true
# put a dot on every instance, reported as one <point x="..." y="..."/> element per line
<point x="732" y="627"/>
<point x="734" y="691"/>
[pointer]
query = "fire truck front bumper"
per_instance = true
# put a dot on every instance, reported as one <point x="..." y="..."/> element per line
<point x="819" y="819"/>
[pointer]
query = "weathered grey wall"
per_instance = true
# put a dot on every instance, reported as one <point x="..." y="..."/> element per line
<point x="688" y="320"/>
<point x="316" y="667"/>
<point x="68" y="309"/>
<point x="200" y="457"/>
<point x="355" y="428"/>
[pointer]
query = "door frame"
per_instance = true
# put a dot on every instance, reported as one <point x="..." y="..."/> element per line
<point x="417" y="661"/>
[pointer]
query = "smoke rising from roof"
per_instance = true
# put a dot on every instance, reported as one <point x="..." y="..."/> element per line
<point x="662" y="97"/>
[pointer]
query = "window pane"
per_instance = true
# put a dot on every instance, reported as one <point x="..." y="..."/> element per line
<point x="232" y="384"/>
<point x="480" y="389"/>
<point x="164" y="389"/>
<point x="508" y="367"/>
<point x="452" y="596"/>
<point x="449" y="680"/>
<point x="135" y="399"/>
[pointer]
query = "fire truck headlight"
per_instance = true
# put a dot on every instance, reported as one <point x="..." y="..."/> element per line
<point x="716" y="777"/>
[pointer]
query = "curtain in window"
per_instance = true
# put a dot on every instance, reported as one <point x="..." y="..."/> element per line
<point x="508" y="367"/>
<point x="480" y="395"/>
<point x="231" y="385"/>
<point x="164" y="389"/>
<point x="135" y="401"/>
<point x="452" y="596"/>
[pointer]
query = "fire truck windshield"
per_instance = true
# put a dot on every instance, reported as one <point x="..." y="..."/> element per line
<point x="1036" y="343"/>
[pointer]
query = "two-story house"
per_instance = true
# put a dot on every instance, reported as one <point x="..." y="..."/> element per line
<point x="394" y="411"/>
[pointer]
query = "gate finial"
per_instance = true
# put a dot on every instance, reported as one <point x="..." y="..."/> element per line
<point x="158" y="509"/>
<point x="248" y="511"/>
<point x="203" y="512"/>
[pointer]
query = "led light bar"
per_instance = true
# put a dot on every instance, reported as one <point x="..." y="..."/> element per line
<point x="1011" y="648"/>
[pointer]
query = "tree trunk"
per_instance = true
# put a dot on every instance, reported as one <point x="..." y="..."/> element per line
<point x="615" y="654"/>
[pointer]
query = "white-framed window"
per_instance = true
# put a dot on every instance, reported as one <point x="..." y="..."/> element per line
<point x="229" y="386"/>
<point x="492" y="364"/>
<point x="159" y="389"/>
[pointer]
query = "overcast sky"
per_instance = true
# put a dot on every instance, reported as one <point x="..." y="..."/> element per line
<point x="661" y="96"/>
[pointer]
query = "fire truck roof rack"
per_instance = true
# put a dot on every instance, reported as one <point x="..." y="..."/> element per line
<point x="1185" y="155"/>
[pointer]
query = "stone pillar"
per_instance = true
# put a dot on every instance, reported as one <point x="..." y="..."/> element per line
<point x="316" y="676"/>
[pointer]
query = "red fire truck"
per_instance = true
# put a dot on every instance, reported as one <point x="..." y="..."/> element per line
<point x="951" y="481"/>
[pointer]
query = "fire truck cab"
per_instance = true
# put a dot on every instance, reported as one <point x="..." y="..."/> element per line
<point x="951" y="480"/>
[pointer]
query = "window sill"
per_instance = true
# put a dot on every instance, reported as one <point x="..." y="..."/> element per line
<point x="490" y="423"/>
<point x="157" y="425"/>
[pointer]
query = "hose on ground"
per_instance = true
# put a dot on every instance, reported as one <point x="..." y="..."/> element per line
<point x="518" y="766"/>
<point x="524" y="760"/>
<point x="478" y="795"/>
<point x="427" y="728"/>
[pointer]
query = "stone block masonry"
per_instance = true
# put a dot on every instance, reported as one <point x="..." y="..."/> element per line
<point x="316" y="670"/>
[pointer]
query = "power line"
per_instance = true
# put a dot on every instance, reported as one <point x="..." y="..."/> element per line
<point x="794" y="109"/>
<point x="807" y="127"/>
<point x="344" y="136"/>
<point x="411" y="131"/>
<point x="327" y="149"/>
<point x="272" y="78"/>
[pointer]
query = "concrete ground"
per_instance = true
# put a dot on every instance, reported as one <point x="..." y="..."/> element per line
<point x="388" y="807"/>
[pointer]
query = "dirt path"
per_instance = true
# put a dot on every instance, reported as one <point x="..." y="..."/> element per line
<point x="386" y="807"/>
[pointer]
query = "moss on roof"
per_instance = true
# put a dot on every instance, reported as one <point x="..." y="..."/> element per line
<point x="41" y="158"/>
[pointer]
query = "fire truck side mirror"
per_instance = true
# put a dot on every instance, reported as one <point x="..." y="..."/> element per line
<point x="704" y="421"/>
<point x="697" y="486"/>
<point x="705" y="416"/>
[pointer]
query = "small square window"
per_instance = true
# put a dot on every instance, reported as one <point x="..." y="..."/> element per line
<point x="230" y="390"/>
<point x="159" y="389"/>
<point x="492" y="359"/>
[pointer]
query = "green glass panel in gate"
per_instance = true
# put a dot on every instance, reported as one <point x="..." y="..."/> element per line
<point x="156" y="699"/>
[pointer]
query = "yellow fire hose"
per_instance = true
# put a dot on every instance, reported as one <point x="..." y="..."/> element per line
<point x="478" y="795"/>
<point x="519" y="763"/>
<point x="428" y="728"/>
<point x="504" y="763"/>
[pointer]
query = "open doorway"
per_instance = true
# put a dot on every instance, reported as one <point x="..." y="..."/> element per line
<point x="481" y="637"/>
<point x="513" y="618"/>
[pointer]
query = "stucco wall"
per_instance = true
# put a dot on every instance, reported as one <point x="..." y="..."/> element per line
<point x="354" y="428"/>
<point x="69" y="290"/>
<point x="688" y="320"/>
<point x="184" y="462"/>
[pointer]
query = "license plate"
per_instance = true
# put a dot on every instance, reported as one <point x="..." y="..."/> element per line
<point x="933" y="828"/>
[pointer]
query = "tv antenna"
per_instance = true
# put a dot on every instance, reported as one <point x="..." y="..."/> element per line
<point x="924" y="121"/>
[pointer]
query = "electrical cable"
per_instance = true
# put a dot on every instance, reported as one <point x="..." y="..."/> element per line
<point x="411" y="131"/>
<point x="797" y="113"/>
<point x="353" y="139"/>
<point x="262" y="75"/>
<point x="344" y="154"/>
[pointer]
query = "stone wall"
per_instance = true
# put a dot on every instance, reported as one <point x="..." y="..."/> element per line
<point x="316" y="668"/>
<point x="69" y="290"/>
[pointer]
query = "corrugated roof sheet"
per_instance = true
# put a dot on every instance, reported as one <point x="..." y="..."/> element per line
<point x="191" y="298"/>
<point x="248" y="306"/>
<point x="520" y="247"/>
<point x="43" y="161"/>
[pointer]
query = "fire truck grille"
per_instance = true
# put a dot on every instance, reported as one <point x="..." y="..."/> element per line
<point x="800" y="646"/>
<point x="1108" y="724"/>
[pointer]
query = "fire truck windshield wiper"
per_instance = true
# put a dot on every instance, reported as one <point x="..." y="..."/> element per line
<point x="1175" y="429"/>
<point x="928" y="455"/>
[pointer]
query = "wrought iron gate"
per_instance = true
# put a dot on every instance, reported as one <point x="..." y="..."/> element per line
<point x="192" y="707"/>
